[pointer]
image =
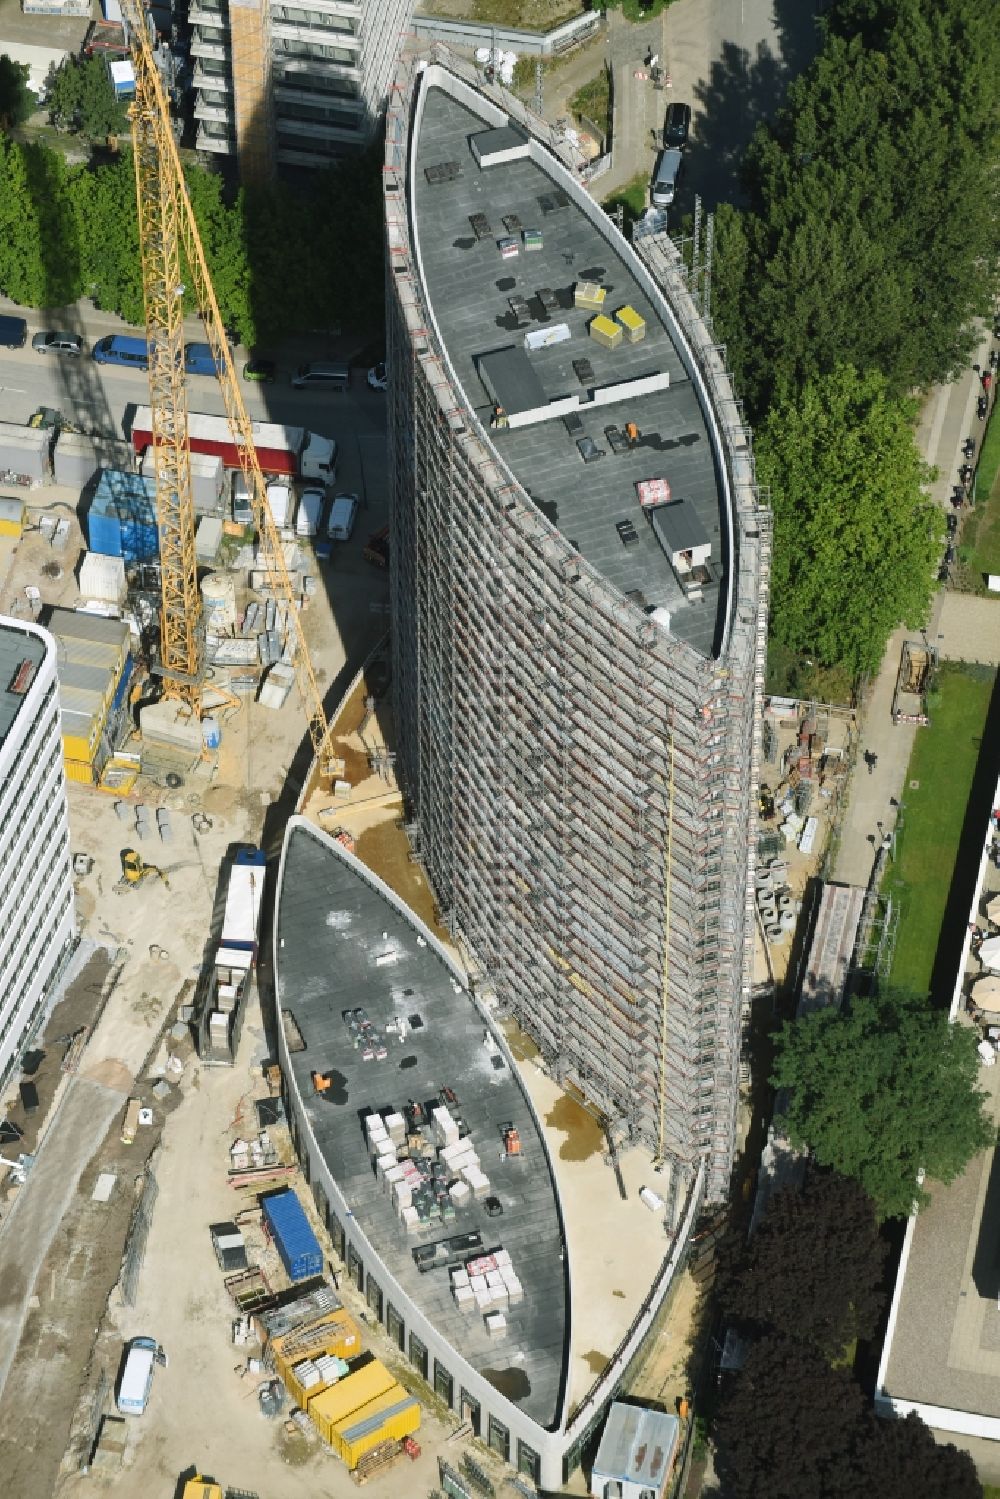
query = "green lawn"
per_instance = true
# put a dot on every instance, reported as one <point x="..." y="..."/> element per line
<point x="593" y="101"/>
<point x="979" y="550"/>
<point x="931" y="815"/>
<point x="633" y="195"/>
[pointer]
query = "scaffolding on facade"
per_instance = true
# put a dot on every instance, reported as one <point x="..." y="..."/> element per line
<point x="250" y="52"/>
<point x="582" y="783"/>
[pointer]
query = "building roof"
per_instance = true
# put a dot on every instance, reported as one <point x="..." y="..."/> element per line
<point x="21" y="654"/>
<point x="468" y="285"/>
<point x="637" y="1446"/>
<point x="344" y="941"/>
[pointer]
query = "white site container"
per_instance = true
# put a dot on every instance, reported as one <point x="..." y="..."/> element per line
<point x="103" y="578"/>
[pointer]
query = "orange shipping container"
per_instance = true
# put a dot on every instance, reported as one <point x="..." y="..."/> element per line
<point x="338" y="1402"/>
<point x="390" y="1417"/>
<point x="335" y="1333"/>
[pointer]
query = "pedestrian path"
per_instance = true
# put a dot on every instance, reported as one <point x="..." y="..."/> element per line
<point x="957" y="627"/>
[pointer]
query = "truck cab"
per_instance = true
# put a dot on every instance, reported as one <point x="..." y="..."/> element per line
<point x="318" y="459"/>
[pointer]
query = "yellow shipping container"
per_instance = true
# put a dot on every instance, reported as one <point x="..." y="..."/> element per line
<point x="199" y="1488"/>
<point x="11" y="516"/>
<point x="391" y="1417"/>
<point x="79" y="770"/>
<point x="340" y="1400"/>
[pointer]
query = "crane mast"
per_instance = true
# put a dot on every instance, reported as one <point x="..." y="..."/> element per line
<point x="166" y="224"/>
<point x="158" y="191"/>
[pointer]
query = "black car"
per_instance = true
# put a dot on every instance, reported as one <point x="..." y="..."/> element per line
<point x="677" y="124"/>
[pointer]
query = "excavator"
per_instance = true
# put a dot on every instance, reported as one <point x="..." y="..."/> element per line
<point x="135" y="870"/>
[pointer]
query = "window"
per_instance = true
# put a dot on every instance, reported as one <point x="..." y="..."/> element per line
<point x="337" y="1234"/>
<point x="374" y="1296"/>
<point x="499" y="1439"/>
<point x="355" y="1267"/>
<point x="444" y="1384"/>
<point x="395" y="1327"/>
<point x="471" y="1411"/>
<point x="418" y="1355"/>
<point x="528" y="1462"/>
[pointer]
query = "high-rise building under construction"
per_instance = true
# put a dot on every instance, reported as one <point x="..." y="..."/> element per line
<point x="580" y="573"/>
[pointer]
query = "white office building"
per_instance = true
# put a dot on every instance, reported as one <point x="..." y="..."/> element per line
<point x="37" y="918"/>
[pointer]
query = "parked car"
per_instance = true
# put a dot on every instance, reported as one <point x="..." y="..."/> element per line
<point x="58" y="343"/>
<point x="323" y="374"/>
<point x="260" y="371"/>
<point x="13" y="332"/>
<point x="378" y="377"/>
<point x="677" y="124"/>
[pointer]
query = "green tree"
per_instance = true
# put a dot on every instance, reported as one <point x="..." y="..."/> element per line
<point x="105" y="203"/>
<point x="223" y="232"/>
<point x="882" y="1091"/>
<point x="872" y="204"/>
<point x="16" y="99"/>
<point x="39" y="244"/>
<point x="779" y="1284"/>
<point x="856" y="539"/>
<point x="81" y="99"/>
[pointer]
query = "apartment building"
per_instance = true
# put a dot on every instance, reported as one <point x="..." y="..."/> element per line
<point x="298" y="83"/>
<point x="37" y="919"/>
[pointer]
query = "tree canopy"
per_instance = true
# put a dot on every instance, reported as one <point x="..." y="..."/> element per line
<point x="882" y="1091"/>
<point x="286" y="260"/>
<point x="791" y="1427"/>
<point x="812" y="1270"/>
<point x="872" y="213"/>
<point x="80" y="98"/>
<point x="856" y="539"/>
<point x="16" y="99"/>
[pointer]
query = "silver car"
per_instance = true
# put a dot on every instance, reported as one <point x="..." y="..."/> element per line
<point x="58" y="343"/>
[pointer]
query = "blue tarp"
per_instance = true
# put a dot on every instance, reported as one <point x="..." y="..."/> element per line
<point x="122" y="518"/>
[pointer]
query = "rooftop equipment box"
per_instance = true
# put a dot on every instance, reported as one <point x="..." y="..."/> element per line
<point x="294" y="1240"/>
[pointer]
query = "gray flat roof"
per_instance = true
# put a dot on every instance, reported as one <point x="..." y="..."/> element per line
<point x="468" y="284"/>
<point x="334" y="932"/>
<point x="17" y="647"/>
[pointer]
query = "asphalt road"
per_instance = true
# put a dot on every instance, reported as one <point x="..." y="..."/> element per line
<point x="100" y="398"/>
<point x="732" y="61"/>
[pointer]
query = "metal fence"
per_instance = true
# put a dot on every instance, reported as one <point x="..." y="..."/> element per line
<point x="135" y="1244"/>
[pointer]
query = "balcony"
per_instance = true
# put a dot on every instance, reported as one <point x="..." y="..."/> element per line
<point x="204" y="13"/>
<point x="206" y="78"/>
<point x="214" y="50"/>
<point x="207" y="139"/>
<point x="211" y="109"/>
<point x="296" y="39"/>
<point x="292" y="131"/>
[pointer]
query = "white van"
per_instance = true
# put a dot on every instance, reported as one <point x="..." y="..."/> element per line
<point x="281" y="499"/>
<point x="137" y="1375"/>
<point x="663" y="188"/>
<point x="310" y="512"/>
<point x="342" y="517"/>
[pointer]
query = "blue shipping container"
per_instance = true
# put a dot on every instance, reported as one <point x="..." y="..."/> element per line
<point x="294" y="1240"/>
<point x="122" y="518"/>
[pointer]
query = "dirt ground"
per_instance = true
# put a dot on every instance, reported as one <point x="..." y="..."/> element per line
<point x="202" y="1411"/>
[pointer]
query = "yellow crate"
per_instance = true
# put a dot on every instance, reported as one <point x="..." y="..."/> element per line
<point x="605" y="332"/>
<point x="634" y="325"/>
<point x="11" y="515"/>
<point x="589" y="296"/>
<point x="335" y="1333"/>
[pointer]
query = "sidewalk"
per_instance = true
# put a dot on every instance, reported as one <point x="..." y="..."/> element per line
<point x="948" y="417"/>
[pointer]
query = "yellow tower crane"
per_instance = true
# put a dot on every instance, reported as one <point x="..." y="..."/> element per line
<point x="166" y="224"/>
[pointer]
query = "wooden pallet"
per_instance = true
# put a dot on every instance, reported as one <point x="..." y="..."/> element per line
<point x="377" y="1461"/>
